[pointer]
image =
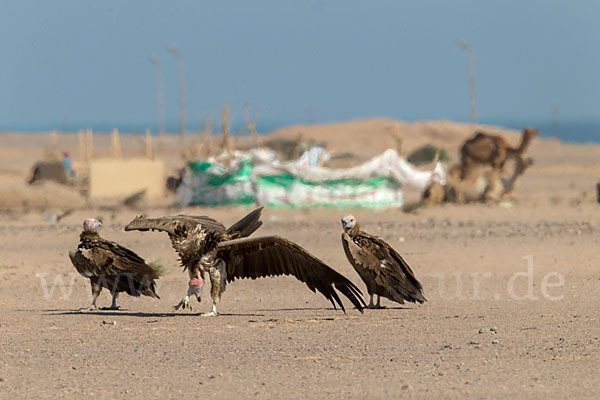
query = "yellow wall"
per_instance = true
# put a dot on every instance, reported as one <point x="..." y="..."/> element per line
<point x="121" y="178"/>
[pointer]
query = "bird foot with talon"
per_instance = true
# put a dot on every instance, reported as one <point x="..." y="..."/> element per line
<point x="210" y="314"/>
<point x="184" y="303"/>
<point x="375" y="307"/>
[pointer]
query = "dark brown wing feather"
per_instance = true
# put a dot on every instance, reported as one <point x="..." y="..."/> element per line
<point x="273" y="256"/>
<point x="114" y="267"/>
<point x="175" y="225"/>
<point x="397" y="278"/>
<point x="190" y="235"/>
<point x="207" y="222"/>
<point x="246" y="226"/>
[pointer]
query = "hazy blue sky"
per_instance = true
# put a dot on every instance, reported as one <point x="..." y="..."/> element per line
<point x="85" y="63"/>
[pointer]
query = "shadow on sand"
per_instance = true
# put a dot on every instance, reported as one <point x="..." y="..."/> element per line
<point x="126" y="313"/>
<point x="172" y="314"/>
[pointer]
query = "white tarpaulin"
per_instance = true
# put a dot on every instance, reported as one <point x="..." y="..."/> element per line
<point x="258" y="177"/>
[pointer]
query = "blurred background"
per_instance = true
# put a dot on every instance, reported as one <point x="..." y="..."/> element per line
<point x="103" y="90"/>
<point x="71" y="65"/>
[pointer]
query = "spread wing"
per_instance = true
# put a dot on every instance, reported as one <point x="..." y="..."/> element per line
<point x="273" y="256"/>
<point x="391" y="271"/>
<point x="246" y="226"/>
<point x="175" y="225"/>
<point x="190" y="235"/>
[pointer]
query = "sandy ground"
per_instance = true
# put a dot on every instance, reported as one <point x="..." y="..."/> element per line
<point x="514" y="295"/>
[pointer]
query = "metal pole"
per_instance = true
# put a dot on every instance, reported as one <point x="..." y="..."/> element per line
<point x="160" y="96"/>
<point x="555" y="111"/>
<point x="173" y="50"/>
<point x="472" y="83"/>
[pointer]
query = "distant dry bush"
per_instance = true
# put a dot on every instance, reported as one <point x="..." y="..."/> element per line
<point x="426" y="154"/>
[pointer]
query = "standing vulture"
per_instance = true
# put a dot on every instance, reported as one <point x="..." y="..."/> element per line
<point x="382" y="269"/>
<point x="111" y="266"/>
<point x="205" y="246"/>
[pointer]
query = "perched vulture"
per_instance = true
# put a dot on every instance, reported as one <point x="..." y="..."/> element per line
<point x="205" y="246"/>
<point x="382" y="269"/>
<point x="111" y="266"/>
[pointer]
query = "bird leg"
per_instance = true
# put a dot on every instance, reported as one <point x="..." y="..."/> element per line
<point x="114" y="305"/>
<point x="371" y="305"/>
<point x="217" y="285"/>
<point x="214" y="312"/>
<point x="96" y="289"/>
<point x="194" y="288"/>
<point x="196" y="284"/>
<point x="375" y="306"/>
<point x="378" y="305"/>
<point x="183" y="303"/>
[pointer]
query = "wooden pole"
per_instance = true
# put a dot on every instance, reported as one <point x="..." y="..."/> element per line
<point x="251" y="126"/>
<point x="89" y="145"/>
<point x="555" y="112"/>
<point x="394" y="132"/>
<point x="148" y="144"/>
<point x="207" y="137"/>
<point x="82" y="152"/>
<point x="436" y="157"/>
<point x="227" y="139"/>
<point x="115" y="144"/>
<point x="54" y="142"/>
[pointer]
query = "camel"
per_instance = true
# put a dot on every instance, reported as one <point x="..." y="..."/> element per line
<point x="493" y="150"/>
<point x="498" y="187"/>
<point x="479" y="175"/>
<point x="481" y="183"/>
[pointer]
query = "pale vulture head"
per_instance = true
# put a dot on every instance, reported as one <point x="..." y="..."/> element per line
<point x="91" y="224"/>
<point x="348" y="222"/>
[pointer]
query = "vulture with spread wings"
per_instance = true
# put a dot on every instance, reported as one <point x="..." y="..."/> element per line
<point x="111" y="266"/>
<point x="382" y="269"/>
<point x="205" y="246"/>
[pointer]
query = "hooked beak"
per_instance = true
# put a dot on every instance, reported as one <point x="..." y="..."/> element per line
<point x="346" y="224"/>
